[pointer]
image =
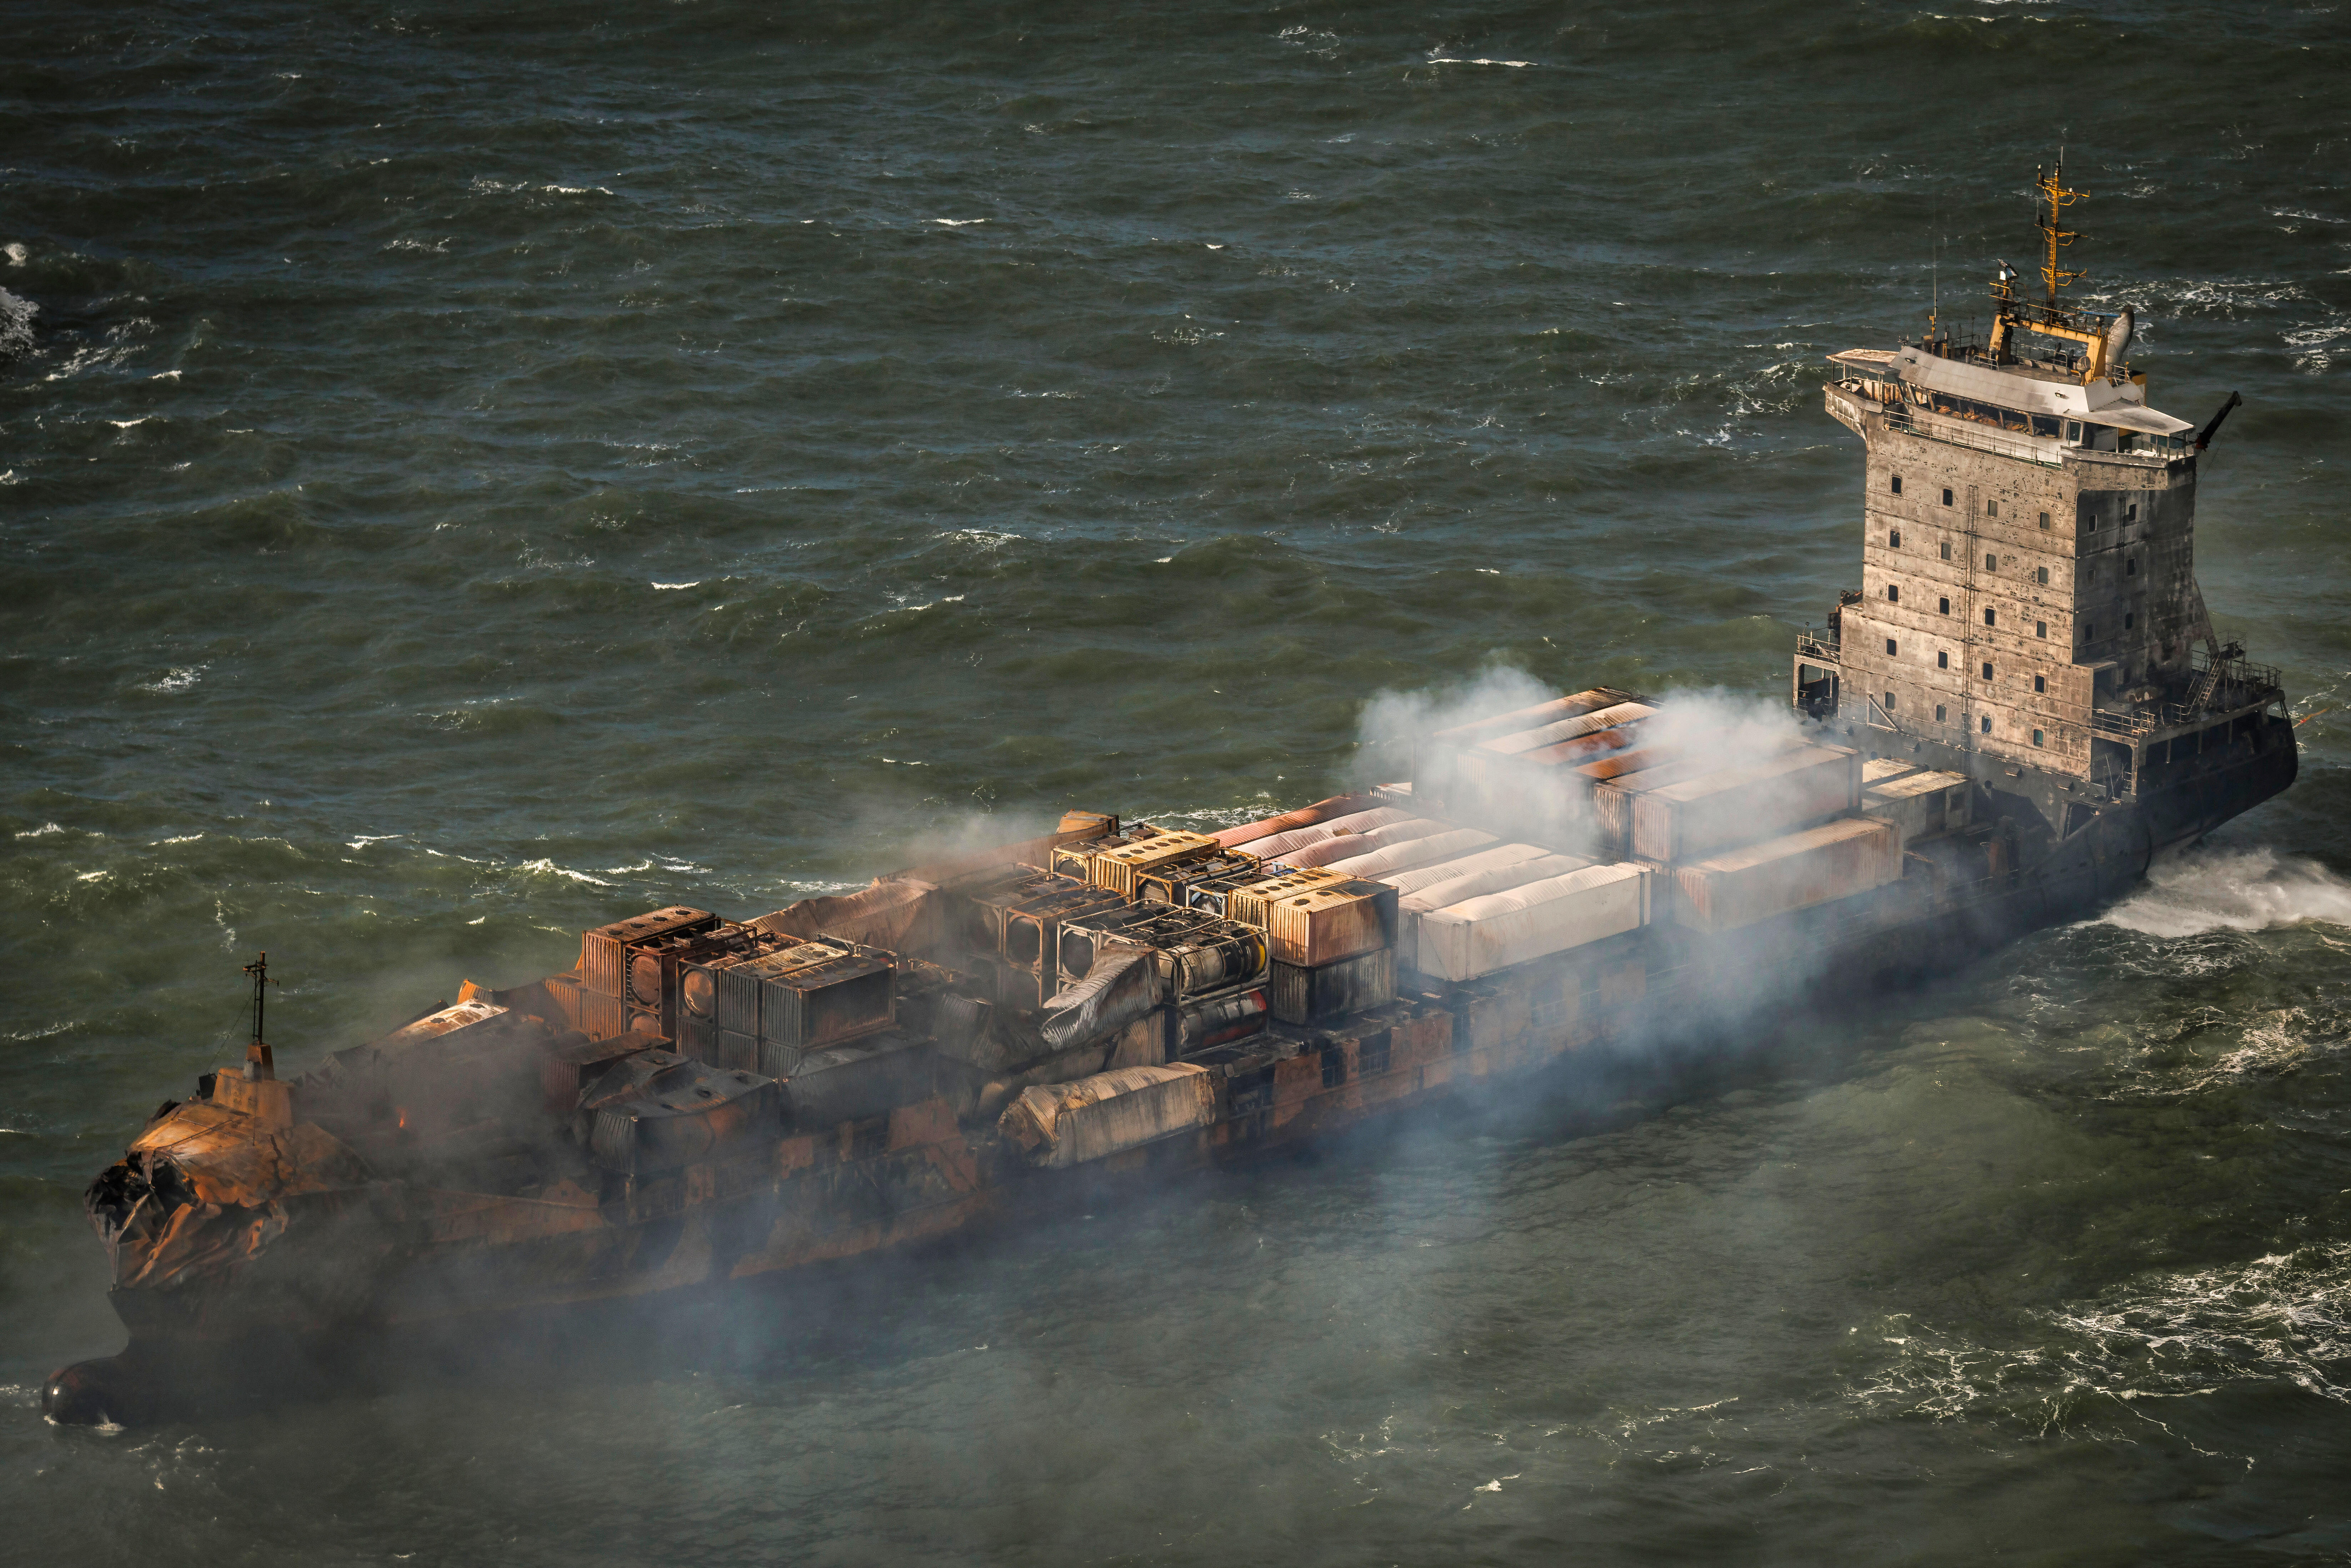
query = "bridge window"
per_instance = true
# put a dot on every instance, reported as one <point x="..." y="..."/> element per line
<point x="2130" y="513"/>
<point x="2041" y="686"/>
<point x="2036" y="737"/>
<point x="1987" y="670"/>
<point x="1987" y="724"/>
<point x="2127" y="619"/>
<point x="2130" y="567"/>
<point x="1947" y="496"/>
<point x="1989" y="618"/>
<point x="2041" y="628"/>
<point x="1991" y="509"/>
<point x="1894" y="538"/>
<point x="1893" y="594"/>
<point x="1889" y="647"/>
<point x="1938" y="713"/>
<point x="2089" y="633"/>
<point x="2044" y="519"/>
<point x="1898" y="484"/>
<point x="2041" y="575"/>
<point x="1945" y="606"/>
<point x="1942" y="661"/>
<point x="1889" y="702"/>
<point x="1946" y="549"/>
<point x="1992" y="561"/>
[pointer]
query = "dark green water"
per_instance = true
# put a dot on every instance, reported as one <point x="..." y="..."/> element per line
<point x="472" y="476"/>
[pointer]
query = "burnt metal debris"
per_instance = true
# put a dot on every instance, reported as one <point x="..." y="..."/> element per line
<point x="2023" y="704"/>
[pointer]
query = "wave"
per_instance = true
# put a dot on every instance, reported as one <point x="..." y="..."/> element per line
<point x="15" y="323"/>
<point x="2233" y="890"/>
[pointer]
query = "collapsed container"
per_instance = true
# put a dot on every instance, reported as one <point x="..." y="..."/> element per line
<point x="1920" y="804"/>
<point x="656" y="1111"/>
<point x="1069" y="1123"/>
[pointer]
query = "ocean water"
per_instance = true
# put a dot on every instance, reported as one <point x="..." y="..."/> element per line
<point x="467" y="474"/>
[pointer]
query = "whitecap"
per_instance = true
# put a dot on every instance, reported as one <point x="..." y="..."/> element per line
<point x="164" y="376"/>
<point x="695" y="583"/>
<point x="127" y="423"/>
<point x="178" y="680"/>
<point x="1452" y="60"/>
<point x="42" y="832"/>
<point x="2233" y="890"/>
<point x="959" y="223"/>
<point x="364" y="839"/>
<point x="550" y="868"/>
<point x="15" y="253"/>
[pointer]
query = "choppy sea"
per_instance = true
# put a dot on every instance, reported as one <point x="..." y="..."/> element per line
<point x="470" y="474"/>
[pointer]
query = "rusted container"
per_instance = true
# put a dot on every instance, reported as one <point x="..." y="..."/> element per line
<point x="602" y="1017"/>
<point x="1062" y="1124"/>
<point x="858" y="1080"/>
<point x="572" y="1062"/>
<point x="815" y="1005"/>
<point x="1147" y="925"/>
<point x="656" y="968"/>
<point x="1303" y="995"/>
<point x="1331" y="920"/>
<point x="1303" y="817"/>
<point x="1352" y="846"/>
<point x="1796" y="871"/>
<point x="603" y="969"/>
<point x="1207" y="1023"/>
<point x="1117" y="869"/>
<point x="1247" y="903"/>
<point x="1611" y="802"/>
<point x="1172" y="885"/>
<point x="1420" y="851"/>
<point x="1497" y="930"/>
<point x="983" y="910"/>
<point x="1274" y="848"/>
<point x="1077" y="860"/>
<point x="739" y="987"/>
<point x="737" y="1052"/>
<point x="1212" y="957"/>
<point x="1692" y="818"/>
<point x="1214" y="895"/>
<point x="1032" y="928"/>
<point x="656" y="1111"/>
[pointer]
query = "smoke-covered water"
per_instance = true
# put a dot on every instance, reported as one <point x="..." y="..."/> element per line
<point x="472" y="474"/>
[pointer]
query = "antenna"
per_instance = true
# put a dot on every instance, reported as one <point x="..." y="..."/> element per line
<point x="258" y="1062"/>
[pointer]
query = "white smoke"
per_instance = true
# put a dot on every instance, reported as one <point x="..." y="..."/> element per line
<point x="2233" y="890"/>
<point x="1392" y="721"/>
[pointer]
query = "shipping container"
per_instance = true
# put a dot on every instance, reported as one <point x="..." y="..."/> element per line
<point x="1247" y="904"/>
<point x="1303" y="817"/>
<point x="1496" y="930"/>
<point x="1117" y="869"/>
<point x="1349" y="846"/>
<point x="980" y="910"/>
<point x="1796" y="871"/>
<point x="1408" y="882"/>
<point x="1611" y="800"/>
<point x="1304" y="995"/>
<point x="860" y="1078"/>
<point x="1331" y="920"/>
<point x="1206" y="1022"/>
<point x="1211" y="958"/>
<point x="1172" y="885"/>
<point x="1920" y="804"/>
<point x="816" y="1004"/>
<point x="1077" y="860"/>
<point x="1364" y="821"/>
<point x="1884" y="770"/>
<point x="737" y="1053"/>
<point x="1062" y="1124"/>
<point x="1416" y="852"/>
<point x="1436" y="895"/>
<point x="1146" y="925"/>
<point x="603" y="967"/>
<point x="740" y="987"/>
<point x="1435" y="758"/>
<point x="1693" y="818"/>
<point x="657" y="1112"/>
<point x="1032" y="928"/>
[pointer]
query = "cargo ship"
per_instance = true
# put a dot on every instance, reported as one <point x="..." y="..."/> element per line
<point x="2023" y="704"/>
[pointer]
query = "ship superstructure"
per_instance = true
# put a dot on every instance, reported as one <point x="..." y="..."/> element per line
<point x="2022" y="704"/>
<point x="2029" y="591"/>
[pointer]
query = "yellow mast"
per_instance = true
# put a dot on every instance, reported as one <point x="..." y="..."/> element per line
<point x="2051" y="183"/>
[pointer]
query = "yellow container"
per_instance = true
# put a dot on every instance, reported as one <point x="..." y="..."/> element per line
<point x="1117" y="869"/>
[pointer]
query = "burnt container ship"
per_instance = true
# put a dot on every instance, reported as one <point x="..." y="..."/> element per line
<point x="2023" y="704"/>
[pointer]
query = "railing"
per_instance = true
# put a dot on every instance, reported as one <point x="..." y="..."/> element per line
<point x="1959" y="433"/>
<point x="1819" y="644"/>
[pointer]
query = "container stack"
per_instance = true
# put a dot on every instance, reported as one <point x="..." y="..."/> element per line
<point x="1209" y="973"/>
<point x="598" y="1002"/>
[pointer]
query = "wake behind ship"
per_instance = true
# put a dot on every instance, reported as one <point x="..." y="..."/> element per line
<point x="2021" y="705"/>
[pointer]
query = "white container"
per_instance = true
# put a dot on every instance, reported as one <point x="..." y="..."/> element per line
<point x="1420" y="851"/>
<point x="1350" y="845"/>
<point x="1270" y="849"/>
<point x="1408" y="882"/>
<point x="1497" y="930"/>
